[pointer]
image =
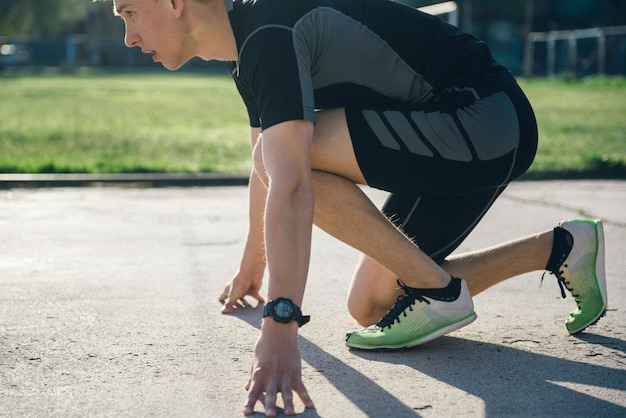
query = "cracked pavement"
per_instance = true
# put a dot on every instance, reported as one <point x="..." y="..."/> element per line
<point x="108" y="307"/>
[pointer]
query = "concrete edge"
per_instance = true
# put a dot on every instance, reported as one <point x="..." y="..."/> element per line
<point x="9" y="181"/>
<point x="19" y="180"/>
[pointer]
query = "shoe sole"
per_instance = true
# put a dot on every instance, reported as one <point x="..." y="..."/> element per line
<point x="600" y="275"/>
<point x="429" y="337"/>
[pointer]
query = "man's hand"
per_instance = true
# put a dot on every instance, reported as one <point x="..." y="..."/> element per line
<point x="282" y="161"/>
<point x="241" y="285"/>
<point x="248" y="280"/>
<point x="276" y="368"/>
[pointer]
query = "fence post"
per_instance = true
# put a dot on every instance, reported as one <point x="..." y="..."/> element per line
<point x="601" y="52"/>
<point x="529" y="55"/>
<point x="551" y="53"/>
<point x="70" y="51"/>
<point x="572" y="53"/>
<point x="16" y="48"/>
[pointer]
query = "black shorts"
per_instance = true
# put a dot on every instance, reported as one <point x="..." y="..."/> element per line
<point x="444" y="162"/>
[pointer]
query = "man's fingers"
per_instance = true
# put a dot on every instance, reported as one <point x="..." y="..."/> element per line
<point x="253" y="396"/>
<point x="270" y="400"/>
<point x="232" y="297"/>
<point x="255" y="393"/>
<point x="222" y="298"/>
<point x="288" y="402"/>
<point x="303" y="394"/>
<point x="227" y="308"/>
<point x="267" y="394"/>
<point x="248" y="409"/>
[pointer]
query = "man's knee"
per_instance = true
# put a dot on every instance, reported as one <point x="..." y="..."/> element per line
<point x="365" y="311"/>
<point x="359" y="312"/>
<point x="372" y="292"/>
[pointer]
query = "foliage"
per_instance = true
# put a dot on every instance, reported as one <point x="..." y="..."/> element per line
<point x="41" y="17"/>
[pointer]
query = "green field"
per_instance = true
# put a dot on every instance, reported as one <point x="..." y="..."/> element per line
<point x="122" y="123"/>
<point x="189" y="123"/>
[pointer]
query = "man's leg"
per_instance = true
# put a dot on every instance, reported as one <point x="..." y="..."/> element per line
<point x="485" y="268"/>
<point x="343" y="211"/>
<point x="438" y="225"/>
<point x="371" y="294"/>
<point x="577" y="265"/>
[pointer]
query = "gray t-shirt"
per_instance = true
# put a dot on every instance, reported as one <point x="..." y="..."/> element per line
<point x="299" y="56"/>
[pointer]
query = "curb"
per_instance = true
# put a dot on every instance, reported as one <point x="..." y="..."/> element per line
<point x="12" y="181"/>
<point x="9" y="181"/>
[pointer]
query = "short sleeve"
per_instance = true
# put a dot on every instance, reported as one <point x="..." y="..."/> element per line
<point x="274" y="87"/>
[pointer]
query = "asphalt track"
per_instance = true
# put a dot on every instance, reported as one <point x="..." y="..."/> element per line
<point x="108" y="307"/>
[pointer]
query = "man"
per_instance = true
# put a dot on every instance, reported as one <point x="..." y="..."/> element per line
<point x="348" y="92"/>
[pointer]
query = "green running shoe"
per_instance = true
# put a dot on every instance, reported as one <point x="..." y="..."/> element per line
<point x="407" y="324"/>
<point x="582" y="273"/>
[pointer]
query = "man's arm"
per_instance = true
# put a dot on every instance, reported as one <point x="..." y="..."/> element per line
<point x="249" y="277"/>
<point x="283" y="160"/>
<point x="286" y="152"/>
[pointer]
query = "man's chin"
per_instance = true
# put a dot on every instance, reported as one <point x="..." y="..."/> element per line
<point x="172" y="66"/>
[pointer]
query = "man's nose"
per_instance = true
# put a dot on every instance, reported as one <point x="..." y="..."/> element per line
<point x="131" y="39"/>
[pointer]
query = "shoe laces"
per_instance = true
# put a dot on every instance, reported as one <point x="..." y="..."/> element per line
<point x="402" y="303"/>
<point x="561" y="281"/>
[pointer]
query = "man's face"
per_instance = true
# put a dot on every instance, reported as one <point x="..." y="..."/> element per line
<point x="155" y="26"/>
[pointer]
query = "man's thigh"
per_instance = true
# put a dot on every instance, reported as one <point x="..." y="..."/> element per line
<point x="332" y="149"/>
<point x="438" y="225"/>
<point x="457" y="146"/>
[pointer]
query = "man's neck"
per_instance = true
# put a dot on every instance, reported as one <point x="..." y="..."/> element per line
<point x="211" y="28"/>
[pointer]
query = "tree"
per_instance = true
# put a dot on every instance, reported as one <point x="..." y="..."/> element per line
<point x="41" y="18"/>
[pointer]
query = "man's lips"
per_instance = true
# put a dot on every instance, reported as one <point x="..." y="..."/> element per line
<point x="153" y="53"/>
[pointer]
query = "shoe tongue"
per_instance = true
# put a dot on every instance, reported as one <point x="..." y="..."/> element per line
<point x="569" y="240"/>
<point x="562" y="244"/>
<point x="449" y="293"/>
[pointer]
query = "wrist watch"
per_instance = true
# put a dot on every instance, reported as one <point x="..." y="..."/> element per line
<point x="283" y="310"/>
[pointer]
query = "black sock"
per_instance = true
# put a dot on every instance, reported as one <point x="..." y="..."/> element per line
<point x="449" y="293"/>
<point x="561" y="247"/>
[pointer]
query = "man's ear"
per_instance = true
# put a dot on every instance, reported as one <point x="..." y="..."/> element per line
<point x="177" y="7"/>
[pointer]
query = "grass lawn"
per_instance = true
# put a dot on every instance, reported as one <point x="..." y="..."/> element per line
<point x="122" y="123"/>
<point x="197" y="123"/>
<point x="582" y="128"/>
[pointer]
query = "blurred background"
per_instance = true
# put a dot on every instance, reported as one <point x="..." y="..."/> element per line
<point x="530" y="37"/>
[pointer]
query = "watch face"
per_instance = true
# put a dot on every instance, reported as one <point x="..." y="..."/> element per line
<point x="283" y="309"/>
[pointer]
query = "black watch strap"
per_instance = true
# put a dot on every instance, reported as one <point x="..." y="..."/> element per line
<point x="296" y="313"/>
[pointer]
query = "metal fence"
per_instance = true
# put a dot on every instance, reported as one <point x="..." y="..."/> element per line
<point x="76" y="51"/>
<point x="578" y="52"/>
